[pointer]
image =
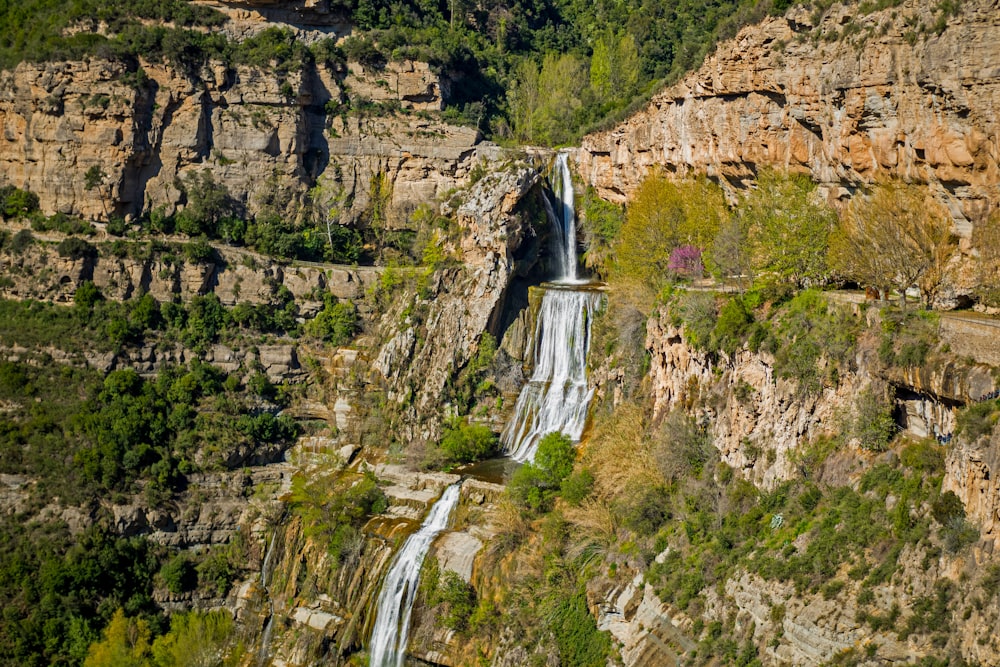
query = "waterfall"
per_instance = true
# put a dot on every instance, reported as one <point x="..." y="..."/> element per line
<point x="563" y="215"/>
<point x="265" y="640"/>
<point x="387" y="647"/>
<point x="556" y="397"/>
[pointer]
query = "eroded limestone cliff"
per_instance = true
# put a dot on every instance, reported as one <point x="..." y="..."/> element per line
<point x="256" y="131"/>
<point x="845" y="96"/>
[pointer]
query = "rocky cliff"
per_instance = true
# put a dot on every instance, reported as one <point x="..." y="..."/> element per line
<point x="258" y="132"/>
<point x="499" y="242"/>
<point x="843" y="95"/>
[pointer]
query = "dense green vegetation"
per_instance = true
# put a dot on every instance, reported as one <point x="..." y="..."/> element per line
<point x="333" y="509"/>
<point x="83" y="438"/>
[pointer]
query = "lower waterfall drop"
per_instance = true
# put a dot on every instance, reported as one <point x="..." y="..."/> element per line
<point x="557" y="396"/>
<point x="387" y="647"/>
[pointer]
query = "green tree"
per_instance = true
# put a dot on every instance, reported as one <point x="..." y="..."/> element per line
<point x="17" y="203"/>
<point x="615" y="67"/>
<point x="730" y="253"/>
<point x="535" y="484"/>
<point x="208" y="204"/>
<point x="787" y="228"/>
<point x="663" y="215"/>
<point x="468" y="442"/>
<point x="523" y="97"/>
<point x="336" y="324"/>
<point x="196" y="639"/>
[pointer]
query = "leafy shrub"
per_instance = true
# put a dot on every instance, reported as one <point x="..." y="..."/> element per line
<point x="179" y="574"/>
<point x="873" y="425"/>
<point x="946" y="507"/>
<point x="75" y="248"/>
<point x="16" y="203"/>
<point x="601" y="221"/>
<point x="458" y="598"/>
<point x="575" y="631"/>
<point x="21" y="241"/>
<point x="957" y="534"/>
<point x="681" y="448"/>
<point x="468" y="442"/>
<point x="199" y="251"/>
<point x="577" y="486"/>
<point x="978" y="419"/>
<point x="925" y="457"/>
<point x="87" y="295"/>
<point x="208" y="204"/>
<point x="337" y="513"/>
<point x="732" y="326"/>
<point x="645" y="509"/>
<point x="698" y="312"/>
<point x="337" y="323"/>
<point x="534" y="485"/>
<point x="365" y="52"/>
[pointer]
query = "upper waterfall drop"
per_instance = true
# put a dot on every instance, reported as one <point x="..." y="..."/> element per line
<point x="564" y="218"/>
<point x="387" y="647"/>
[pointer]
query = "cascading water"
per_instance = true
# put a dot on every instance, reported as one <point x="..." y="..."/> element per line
<point x="265" y="573"/>
<point x="563" y="214"/>
<point x="387" y="647"/>
<point x="556" y="397"/>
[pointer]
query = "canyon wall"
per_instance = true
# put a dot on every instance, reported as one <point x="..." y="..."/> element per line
<point x="258" y="132"/>
<point x="846" y="97"/>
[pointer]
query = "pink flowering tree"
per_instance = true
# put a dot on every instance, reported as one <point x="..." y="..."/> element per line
<point x="685" y="262"/>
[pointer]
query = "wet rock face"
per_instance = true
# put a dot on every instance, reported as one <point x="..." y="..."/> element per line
<point x="876" y="101"/>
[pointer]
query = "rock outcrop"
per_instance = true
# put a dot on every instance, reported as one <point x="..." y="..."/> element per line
<point x="848" y="98"/>
<point x="418" y="361"/>
<point x="757" y="420"/>
<point x="233" y="274"/>
<point x="259" y="133"/>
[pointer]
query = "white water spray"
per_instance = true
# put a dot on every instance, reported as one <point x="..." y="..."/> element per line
<point x="557" y="396"/>
<point x="387" y="647"/>
<point x="563" y="216"/>
<point x="265" y="573"/>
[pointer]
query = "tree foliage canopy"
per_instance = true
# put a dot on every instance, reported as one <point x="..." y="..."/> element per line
<point x="895" y="236"/>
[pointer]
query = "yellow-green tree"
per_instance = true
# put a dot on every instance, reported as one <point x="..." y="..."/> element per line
<point x="195" y="640"/>
<point x="124" y="643"/>
<point x="663" y="215"/>
<point x="614" y="67"/>
<point x="894" y="236"/>
<point x="787" y="227"/>
<point x="542" y="101"/>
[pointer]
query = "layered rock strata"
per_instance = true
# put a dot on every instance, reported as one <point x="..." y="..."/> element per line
<point x="844" y="96"/>
<point x="260" y="133"/>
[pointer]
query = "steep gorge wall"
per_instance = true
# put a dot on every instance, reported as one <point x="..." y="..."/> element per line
<point x="847" y="99"/>
<point x="256" y="131"/>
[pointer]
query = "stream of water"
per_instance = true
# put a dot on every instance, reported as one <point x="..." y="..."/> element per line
<point x="555" y="399"/>
<point x="265" y="572"/>
<point x="387" y="647"/>
<point x="557" y="396"/>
